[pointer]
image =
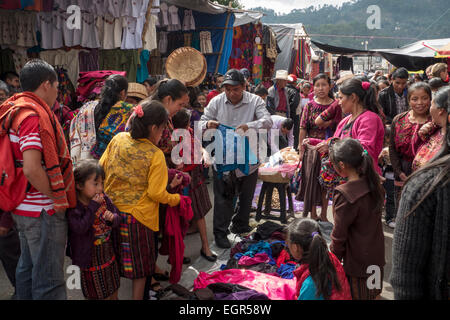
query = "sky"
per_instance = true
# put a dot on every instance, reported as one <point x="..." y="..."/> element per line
<point x="286" y="6"/>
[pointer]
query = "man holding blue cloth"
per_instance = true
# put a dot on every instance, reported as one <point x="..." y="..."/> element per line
<point x="244" y="111"/>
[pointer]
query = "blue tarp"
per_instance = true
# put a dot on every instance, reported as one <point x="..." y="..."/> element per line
<point x="203" y="20"/>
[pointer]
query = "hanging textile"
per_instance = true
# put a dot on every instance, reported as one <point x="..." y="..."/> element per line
<point x="142" y="72"/>
<point x="205" y="42"/>
<point x="188" y="21"/>
<point x="67" y="59"/>
<point x="120" y="60"/>
<point x="88" y="60"/>
<point x="66" y="90"/>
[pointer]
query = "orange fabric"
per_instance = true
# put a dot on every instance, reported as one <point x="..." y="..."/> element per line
<point x="56" y="154"/>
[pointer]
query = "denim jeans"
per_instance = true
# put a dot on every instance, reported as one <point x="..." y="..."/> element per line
<point x="40" y="271"/>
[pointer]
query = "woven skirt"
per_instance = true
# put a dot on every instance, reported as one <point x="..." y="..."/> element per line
<point x="102" y="279"/>
<point x="310" y="190"/>
<point x="359" y="289"/>
<point x="198" y="192"/>
<point x="137" y="248"/>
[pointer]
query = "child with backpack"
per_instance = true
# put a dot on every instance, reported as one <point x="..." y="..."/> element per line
<point x="91" y="224"/>
<point x="357" y="237"/>
<point x="320" y="275"/>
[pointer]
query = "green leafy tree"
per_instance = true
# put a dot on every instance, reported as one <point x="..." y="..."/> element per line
<point x="234" y="3"/>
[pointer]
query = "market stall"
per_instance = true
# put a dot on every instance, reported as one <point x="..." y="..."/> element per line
<point x="129" y="36"/>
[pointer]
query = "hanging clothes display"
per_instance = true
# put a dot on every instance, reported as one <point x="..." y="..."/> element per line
<point x="164" y="15"/>
<point x="66" y="59"/>
<point x="110" y="30"/>
<point x="120" y="60"/>
<point x="72" y="37"/>
<point x="188" y="21"/>
<point x="66" y="89"/>
<point x="156" y="64"/>
<point x="174" y="19"/>
<point x="149" y="37"/>
<point x="163" y="42"/>
<point x="89" y="34"/>
<point x="50" y="26"/>
<point x="142" y="72"/>
<point x="18" y="28"/>
<point x="205" y="42"/>
<point x="88" y="60"/>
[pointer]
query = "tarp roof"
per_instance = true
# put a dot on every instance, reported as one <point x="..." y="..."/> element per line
<point x="206" y="6"/>
<point x="414" y="56"/>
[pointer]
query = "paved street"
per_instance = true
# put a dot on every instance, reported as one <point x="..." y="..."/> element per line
<point x="192" y="250"/>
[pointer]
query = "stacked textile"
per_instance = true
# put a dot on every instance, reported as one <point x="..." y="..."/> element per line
<point x="90" y="83"/>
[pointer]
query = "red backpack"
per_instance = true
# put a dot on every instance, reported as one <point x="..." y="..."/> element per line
<point x="13" y="183"/>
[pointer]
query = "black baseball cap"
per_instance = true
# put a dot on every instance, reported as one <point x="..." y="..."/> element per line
<point x="233" y="77"/>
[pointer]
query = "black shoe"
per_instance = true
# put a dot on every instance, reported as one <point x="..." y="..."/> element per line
<point x="186" y="260"/>
<point x="212" y="258"/>
<point x="240" y="230"/>
<point x="223" y="242"/>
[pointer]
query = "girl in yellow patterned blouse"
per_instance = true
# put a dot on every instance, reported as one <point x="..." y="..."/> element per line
<point x="136" y="181"/>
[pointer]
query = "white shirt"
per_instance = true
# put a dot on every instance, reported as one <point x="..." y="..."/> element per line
<point x="132" y="32"/>
<point x="89" y="34"/>
<point x="277" y="124"/>
<point x="110" y="31"/>
<point x="135" y="8"/>
<point x="50" y="25"/>
<point x="115" y="7"/>
<point x="72" y="37"/>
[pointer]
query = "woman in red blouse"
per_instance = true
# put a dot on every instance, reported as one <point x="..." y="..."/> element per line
<point x="404" y="129"/>
<point x="434" y="137"/>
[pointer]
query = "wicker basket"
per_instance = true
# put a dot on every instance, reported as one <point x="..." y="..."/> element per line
<point x="187" y="65"/>
<point x="274" y="178"/>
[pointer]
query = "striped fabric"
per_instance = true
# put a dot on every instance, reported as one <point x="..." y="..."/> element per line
<point x="360" y="291"/>
<point x="103" y="278"/>
<point x="26" y="139"/>
<point x="55" y="152"/>
<point x="137" y="248"/>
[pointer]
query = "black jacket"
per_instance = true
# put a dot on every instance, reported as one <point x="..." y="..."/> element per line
<point x="294" y="99"/>
<point x="421" y="246"/>
<point x="386" y="99"/>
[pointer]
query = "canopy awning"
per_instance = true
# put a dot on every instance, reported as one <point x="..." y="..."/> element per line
<point x="415" y="56"/>
<point x="206" y="6"/>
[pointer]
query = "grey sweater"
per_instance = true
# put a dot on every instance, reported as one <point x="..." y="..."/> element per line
<point x="422" y="242"/>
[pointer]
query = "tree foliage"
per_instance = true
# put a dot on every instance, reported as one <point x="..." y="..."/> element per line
<point x="234" y="3"/>
<point x="412" y="19"/>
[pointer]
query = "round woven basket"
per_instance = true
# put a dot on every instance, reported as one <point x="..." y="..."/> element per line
<point x="187" y="65"/>
<point x="274" y="178"/>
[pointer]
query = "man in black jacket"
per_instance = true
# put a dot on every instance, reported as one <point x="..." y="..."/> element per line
<point x="294" y="101"/>
<point x="394" y="99"/>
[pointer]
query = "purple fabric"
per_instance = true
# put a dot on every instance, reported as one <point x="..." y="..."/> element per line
<point x="258" y="258"/>
<point x="81" y="233"/>
<point x="241" y="295"/>
<point x="89" y="60"/>
<point x="47" y="5"/>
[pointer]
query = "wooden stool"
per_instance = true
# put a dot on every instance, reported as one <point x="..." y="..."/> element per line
<point x="267" y="191"/>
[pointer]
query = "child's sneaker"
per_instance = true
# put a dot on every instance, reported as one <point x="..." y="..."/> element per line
<point x="391" y="224"/>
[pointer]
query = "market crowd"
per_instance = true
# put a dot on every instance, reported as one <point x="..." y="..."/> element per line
<point x="99" y="185"/>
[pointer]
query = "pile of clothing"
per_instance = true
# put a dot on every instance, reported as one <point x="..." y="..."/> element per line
<point x="90" y="83"/>
<point x="260" y="262"/>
